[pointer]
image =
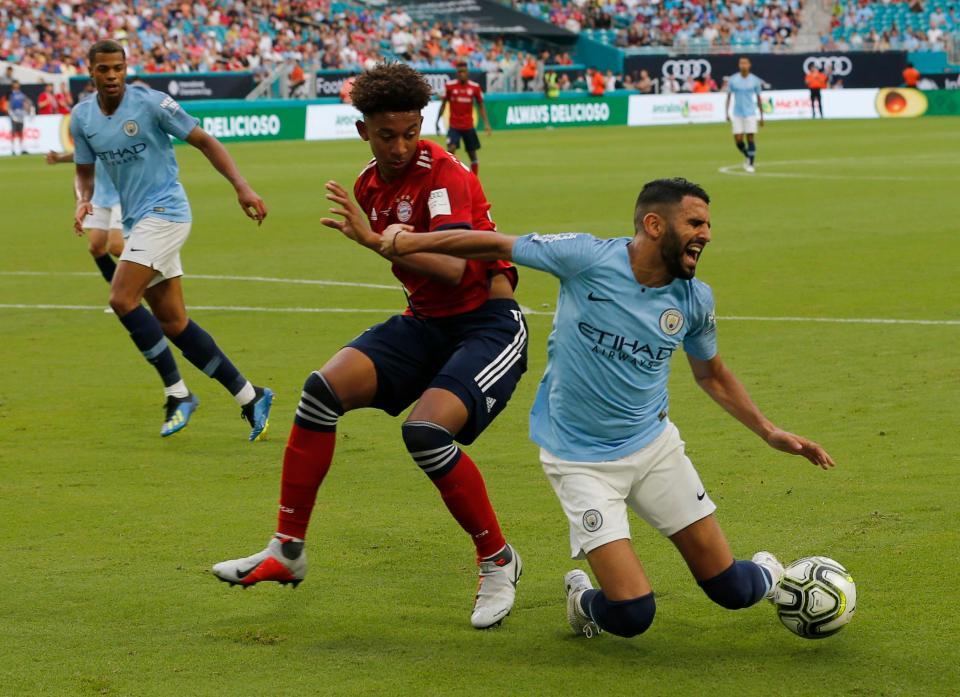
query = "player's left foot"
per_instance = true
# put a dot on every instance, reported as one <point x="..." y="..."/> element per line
<point x="497" y="588"/>
<point x="772" y="566"/>
<point x="283" y="561"/>
<point x="747" y="167"/>
<point x="177" y="413"/>
<point x="257" y="412"/>
<point x="576" y="582"/>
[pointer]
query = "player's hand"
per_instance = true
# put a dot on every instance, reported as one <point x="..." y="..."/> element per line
<point x="252" y="205"/>
<point x="761" y="123"/>
<point x="388" y="240"/>
<point x="488" y="131"/>
<point x="354" y="224"/>
<point x="51" y="158"/>
<point x="84" y="208"/>
<point x="798" y="445"/>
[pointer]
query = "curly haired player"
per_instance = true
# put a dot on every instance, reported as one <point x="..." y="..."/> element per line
<point x="458" y="350"/>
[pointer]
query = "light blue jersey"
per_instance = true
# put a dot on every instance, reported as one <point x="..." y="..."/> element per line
<point x="604" y="393"/>
<point x="745" y="91"/>
<point x="105" y="194"/>
<point x="133" y="147"/>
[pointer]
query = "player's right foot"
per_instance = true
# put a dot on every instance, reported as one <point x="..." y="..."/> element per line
<point x="283" y="561"/>
<point x="178" y="411"/>
<point x="257" y="413"/>
<point x="497" y="588"/>
<point x="747" y="167"/>
<point x="576" y="582"/>
<point x="772" y="566"/>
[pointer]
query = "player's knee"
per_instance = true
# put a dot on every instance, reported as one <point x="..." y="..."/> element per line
<point x="122" y="303"/>
<point x="319" y="407"/>
<point x="97" y="248"/>
<point x="431" y="447"/>
<point x="739" y="586"/>
<point x="627" y="618"/>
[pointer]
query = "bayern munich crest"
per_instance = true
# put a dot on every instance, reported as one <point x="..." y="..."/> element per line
<point x="671" y="321"/>
<point x="404" y="211"/>
<point x="592" y="520"/>
<point x="131" y="128"/>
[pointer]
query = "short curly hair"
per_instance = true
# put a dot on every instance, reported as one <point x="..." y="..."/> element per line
<point x="390" y="87"/>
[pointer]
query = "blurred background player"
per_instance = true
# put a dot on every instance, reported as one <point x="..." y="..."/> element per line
<point x="104" y="226"/>
<point x="460" y="94"/>
<point x="600" y="415"/>
<point x="19" y="107"/>
<point x="744" y="88"/>
<point x="458" y="351"/>
<point x="816" y="82"/>
<point x="127" y="130"/>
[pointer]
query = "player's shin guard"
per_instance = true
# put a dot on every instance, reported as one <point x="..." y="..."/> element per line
<point x="752" y="151"/>
<point x="743" y="584"/>
<point x="741" y="146"/>
<point x="308" y="454"/>
<point x="107" y="266"/>
<point x="626" y="618"/>
<point x="459" y="481"/>
<point x="199" y="348"/>
<point x="148" y="336"/>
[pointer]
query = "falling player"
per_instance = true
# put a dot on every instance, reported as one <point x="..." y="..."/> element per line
<point x="744" y="89"/>
<point x="458" y="351"/>
<point x="127" y="130"/>
<point x="461" y="94"/>
<point x="601" y="412"/>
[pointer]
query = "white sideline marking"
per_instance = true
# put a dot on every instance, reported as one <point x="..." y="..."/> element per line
<point x="738" y="171"/>
<point x="208" y="277"/>
<point x="318" y="310"/>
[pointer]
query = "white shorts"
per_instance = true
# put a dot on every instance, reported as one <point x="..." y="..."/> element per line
<point x="744" y="124"/>
<point x="156" y="243"/>
<point x="104" y="218"/>
<point x="658" y="482"/>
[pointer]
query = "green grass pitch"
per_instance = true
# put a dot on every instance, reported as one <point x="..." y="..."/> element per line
<point x="108" y="532"/>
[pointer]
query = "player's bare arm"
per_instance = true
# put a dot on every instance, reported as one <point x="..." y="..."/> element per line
<point x="760" y="108"/>
<point x="487" y="129"/>
<point x="252" y="205"/>
<point x="725" y="389"/>
<point x="355" y="226"/>
<point x="726" y="109"/>
<point x="401" y="240"/>
<point x="83" y="188"/>
<point x="56" y="158"/>
<point x="443" y="105"/>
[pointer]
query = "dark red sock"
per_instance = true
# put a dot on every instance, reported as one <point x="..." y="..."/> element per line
<point x="475" y="167"/>
<point x="465" y="495"/>
<point x="305" y="463"/>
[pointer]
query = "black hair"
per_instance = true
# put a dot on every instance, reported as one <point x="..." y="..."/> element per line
<point x="390" y="87"/>
<point x="105" y="46"/>
<point x="665" y="192"/>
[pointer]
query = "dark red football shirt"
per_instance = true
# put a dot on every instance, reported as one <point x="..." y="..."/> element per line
<point x="461" y="99"/>
<point x="435" y="192"/>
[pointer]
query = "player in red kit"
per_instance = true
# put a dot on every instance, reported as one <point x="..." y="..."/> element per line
<point x="458" y="351"/>
<point x="461" y="94"/>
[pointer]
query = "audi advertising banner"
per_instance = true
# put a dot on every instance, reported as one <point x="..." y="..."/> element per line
<point x="780" y="71"/>
<point x="185" y="88"/>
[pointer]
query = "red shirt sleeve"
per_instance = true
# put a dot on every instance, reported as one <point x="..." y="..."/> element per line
<point x="449" y="201"/>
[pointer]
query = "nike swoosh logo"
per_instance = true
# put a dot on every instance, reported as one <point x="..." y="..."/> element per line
<point x="137" y="250"/>
<point x="89" y="135"/>
<point x="244" y="574"/>
<point x="598" y="299"/>
<point x="700" y="496"/>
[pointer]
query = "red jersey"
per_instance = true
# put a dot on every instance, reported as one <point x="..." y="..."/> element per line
<point x="46" y="103"/>
<point x="461" y="99"/>
<point x="435" y="192"/>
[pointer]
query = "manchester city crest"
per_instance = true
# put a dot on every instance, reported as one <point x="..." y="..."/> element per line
<point x="671" y="321"/>
<point x="131" y="128"/>
<point x="592" y="520"/>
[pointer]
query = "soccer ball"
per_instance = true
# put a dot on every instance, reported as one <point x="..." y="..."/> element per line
<point x="816" y="597"/>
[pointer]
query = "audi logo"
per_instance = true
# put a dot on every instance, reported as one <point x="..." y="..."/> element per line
<point x="838" y="65"/>
<point x="689" y="68"/>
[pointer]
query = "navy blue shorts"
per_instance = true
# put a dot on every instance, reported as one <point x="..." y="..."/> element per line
<point x="479" y="356"/>
<point x="471" y="141"/>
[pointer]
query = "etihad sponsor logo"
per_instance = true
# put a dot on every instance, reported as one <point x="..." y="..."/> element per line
<point x="578" y="112"/>
<point x="242" y="125"/>
<point x="624" y="348"/>
<point x="121" y="155"/>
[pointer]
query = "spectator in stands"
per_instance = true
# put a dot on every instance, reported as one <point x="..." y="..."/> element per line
<point x="297" y="79"/>
<point x="47" y="101"/>
<point x="700" y="86"/>
<point x="64" y="99"/>
<point x="551" y="84"/>
<point x="645" y="84"/>
<point x="564" y="83"/>
<point x="528" y="73"/>
<point x="598" y="83"/>
<point x="610" y="83"/>
<point x="6" y="81"/>
<point x="910" y="76"/>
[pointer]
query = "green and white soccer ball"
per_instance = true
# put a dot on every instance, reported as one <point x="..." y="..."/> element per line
<point x="816" y="597"/>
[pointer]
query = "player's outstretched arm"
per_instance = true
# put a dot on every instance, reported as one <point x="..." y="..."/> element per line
<point x="725" y="389"/>
<point x="400" y="240"/>
<point x="214" y="151"/>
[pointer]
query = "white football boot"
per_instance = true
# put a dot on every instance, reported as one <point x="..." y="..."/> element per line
<point x="750" y="169"/>
<point x="576" y="582"/>
<point x="283" y="561"/>
<point x="774" y="568"/>
<point x="496" y="590"/>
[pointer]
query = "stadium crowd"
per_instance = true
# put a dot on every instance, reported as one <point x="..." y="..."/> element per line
<point x="908" y="25"/>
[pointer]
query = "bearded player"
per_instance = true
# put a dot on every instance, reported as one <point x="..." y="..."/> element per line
<point x="457" y="352"/>
<point x="461" y="94"/>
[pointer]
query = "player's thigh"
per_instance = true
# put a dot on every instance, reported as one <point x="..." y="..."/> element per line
<point x="441" y="407"/>
<point x="115" y="241"/>
<point x="618" y="571"/>
<point x="489" y="360"/>
<point x="704" y="547"/>
<point x="97" y="240"/>
<point x="405" y="353"/>
<point x="353" y="378"/>
<point x="166" y="302"/>
<point x="471" y="141"/>
<point x="130" y="282"/>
